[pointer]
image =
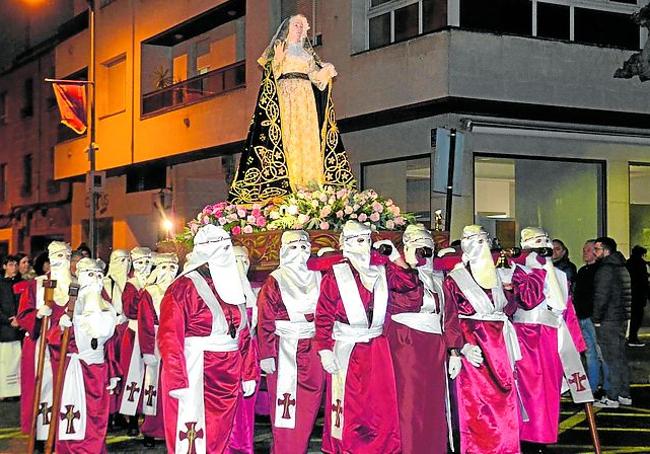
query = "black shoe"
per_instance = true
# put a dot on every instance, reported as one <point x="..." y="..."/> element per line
<point x="149" y="442"/>
<point x="132" y="432"/>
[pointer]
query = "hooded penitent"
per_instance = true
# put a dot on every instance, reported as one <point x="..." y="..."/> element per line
<point x="59" y="254"/>
<point x="355" y="243"/>
<point x="536" y="238"/>
<point x="119" y="267"/>
<point x="142" y="260"/>
<point x="475" y="245"/>
<point x="213" y="247"/>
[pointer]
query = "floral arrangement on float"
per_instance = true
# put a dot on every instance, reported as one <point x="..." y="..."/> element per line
<point x="323" y="208"/>
<point x="320" y="210"/>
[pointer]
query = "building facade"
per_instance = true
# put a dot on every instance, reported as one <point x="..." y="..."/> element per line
<point x="549" y="137"/>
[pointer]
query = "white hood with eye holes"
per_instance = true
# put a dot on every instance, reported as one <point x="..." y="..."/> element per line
<point x="299" y="286"/>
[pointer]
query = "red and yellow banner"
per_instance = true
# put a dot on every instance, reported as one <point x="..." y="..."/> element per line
<point x="71" y="99"/>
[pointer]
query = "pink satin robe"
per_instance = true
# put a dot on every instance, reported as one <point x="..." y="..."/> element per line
<point x="370" y="412"/>
<point x="420" y="364"/>
<point x="26" y="317"/>
<point x="311" y="376"/>
<point x="152" y="426"/>
<point x="488" y="407"/>
<point x="540" y="375"/>
<point x="185" y="314"/>
<point x="130" y="298"/>
<point x="96" y="379"/>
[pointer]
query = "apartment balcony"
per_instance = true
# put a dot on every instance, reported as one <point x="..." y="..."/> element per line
<point x="195" y="89"/>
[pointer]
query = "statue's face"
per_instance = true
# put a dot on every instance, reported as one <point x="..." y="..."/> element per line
<point x="296" y="30"/>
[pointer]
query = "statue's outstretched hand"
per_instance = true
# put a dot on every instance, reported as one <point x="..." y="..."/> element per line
<point x="279" y="50"/>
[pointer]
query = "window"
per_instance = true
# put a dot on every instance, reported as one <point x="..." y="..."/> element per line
<point x="3" y="108"/>
<point x="115" y="95"/>
<point x="508" y="197"/>
<point x="640" y="205"/>
<point x="407" y="180"/>
<point x="391" y="21"/>
<point x="28" y="98"/>
<point x="553" y="21"/>
<point x="605" y="28"/>
<point x="26" y="189"/>
<point x="498" y="16"/>
<point x="146" y="177"/>
<point x="3" y="182"/>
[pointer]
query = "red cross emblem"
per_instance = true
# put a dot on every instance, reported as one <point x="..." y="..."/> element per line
<point x="286" y="402"/>
<point x="338" y="409"/>
<point x="577" y="379"/>
<point x="191" y="435"/>
<point x="70" y="415"/>
<point x="150" y="393"/>
<point x="132" y="388"/>
<point x="45" y="411"/>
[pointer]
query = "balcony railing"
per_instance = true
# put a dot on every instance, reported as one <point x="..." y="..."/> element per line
<point x="195" y="89"/>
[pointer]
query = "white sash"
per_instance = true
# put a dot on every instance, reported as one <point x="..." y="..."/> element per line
<point x="420" y="321"/>
<point x="575" y="378"/>
<point x="73" y="415"/>
<point x="45" y="406"/>
<point x="289" y="332"/>
<point x="190" y="423"/>
<point x="135" y="376"/>
<point x="151" y="383"/>
<point x="346" y="336"/>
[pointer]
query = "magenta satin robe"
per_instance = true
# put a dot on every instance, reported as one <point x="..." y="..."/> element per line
<point x="370" y="413"/>
<point x="96" y="379"/>
<point x="242" y="437"/>
<point x="419" y="359"/>
<point x="540" y="375"/>
<point x="311" y="376"/>
<point x="152" y="426"/>
<point x="185" y="314"/>
<point x="130" y="298"/>
<point x="26" y="317"/>
<point x="488" y="407"/>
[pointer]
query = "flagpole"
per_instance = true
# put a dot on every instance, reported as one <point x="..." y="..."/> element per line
<point x="91" y="133"/>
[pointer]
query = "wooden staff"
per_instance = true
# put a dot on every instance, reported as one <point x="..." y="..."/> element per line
<point x="48" y="296"/>
<point x="73" y="290"/>
<point x="591" y="420"/>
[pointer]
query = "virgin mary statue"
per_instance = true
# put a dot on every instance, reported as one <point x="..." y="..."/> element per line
<point x="293" y="140"/>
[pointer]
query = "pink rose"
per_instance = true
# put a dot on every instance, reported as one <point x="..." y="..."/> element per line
<point x="194" y="227"/>
<point x="374" y="217"/>
<point x="339" y="214"/>
<point x="390" y="225"/>
<point x="324" y="225"/>
<point x="248" y="229"/>
<point x="399" y="220"/>
<point x="236" y="230"/>
<point x="341" y="193"/>
<point x="223" y="221"/>
<point x="231" y="217"/>
<point x="353" y="216"/>
<point x="389" y="202"/>
<point x="261" y="221"/>
<point x="363" y="217"/>
<point x="395" y="210"/>
<point x="323" y="197"/>
<point x="348" y="209"/>
<point x="251" y="219"/>
<point x="303" y="218"/>
<point x="241" y="213"/>
<point x="326" y="211"/>
<point x="256" y="212"/>
<point x="378" y="207"/>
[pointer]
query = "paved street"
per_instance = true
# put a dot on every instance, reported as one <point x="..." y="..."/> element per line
<point x="623" y="430"/>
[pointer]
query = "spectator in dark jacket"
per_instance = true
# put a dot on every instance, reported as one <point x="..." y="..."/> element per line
<point x="10" y="335"/>
<point x="561" y="261"/>
<point x="612" y="300"/>
<point x="583" y="294"/>
<point x="638" y="268"/>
